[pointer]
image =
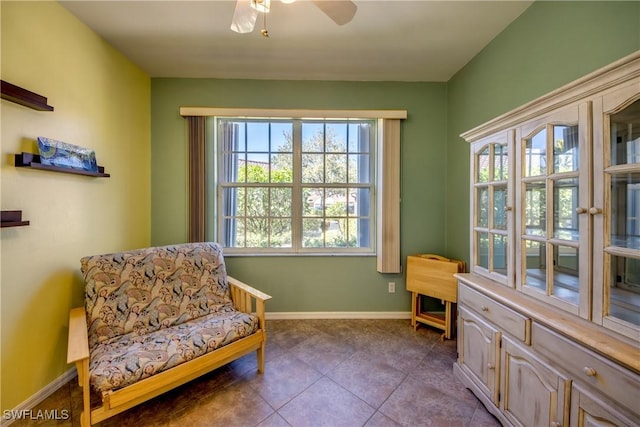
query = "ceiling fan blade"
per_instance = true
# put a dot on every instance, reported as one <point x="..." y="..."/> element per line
<point x="341" y="11"/>
<point x="244" y="17"/>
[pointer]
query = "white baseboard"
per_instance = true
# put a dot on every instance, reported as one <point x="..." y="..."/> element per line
<point x="295" y="315"/>
<point x="41" y="395"/>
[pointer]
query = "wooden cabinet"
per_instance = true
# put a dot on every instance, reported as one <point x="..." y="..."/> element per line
<point x="555" y="255"/>
<point x="534" y="394"/>
<point x="587" y="411"/>
<point x="532" y="366"/>
<point x="479" y="353"/>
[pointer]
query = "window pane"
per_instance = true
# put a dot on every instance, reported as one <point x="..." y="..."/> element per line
<point x="500" y="163"/>
<point x="359" y="168"/>
<point x="233" y="164"/>
<point x="281" y="168"/>
<point x="500" y="250"/>
<point x="336" y="202"/>
<point x="281" y="233"/>
<point x="359" y="232"/>
<point x="500" y="207"/>
<point x="281" y="137"/>
<point x="565" y="202"/>
<point x="565" y="274"/>
<point x="483" y="250"/>
<point x="625" y="135"/>
<point x="312" y="233"/>
<point x="313" y="168"/>
<point x="483" y="207"/>
<point x="536" y="264"/>
<point x="258" y="136"/>
<point x="280" y="202"/>
<point x="234" y="135"/>
<point x="625" y="210"/>
<point x="359" y="137"/>
<point x="624" y="289"/>
<point x="313" y="201"/>
<point x="360" y="202"/>
<point x="312" y="137"/>
<point x="257" y="203"/>
<point x="256" y="168"/>
<point x="336" y="168"/>
<point x="335" y="233"/>
<point x="536" y="208"/>
<point x="535" y="157"/>
<point x="353" y="234"/>
<point x="336" y="137"/>
<point x="233" y="201"/>
<point x="234" y="233"/>
<point x="483" y="166"/>
<point x="565" y="148"/>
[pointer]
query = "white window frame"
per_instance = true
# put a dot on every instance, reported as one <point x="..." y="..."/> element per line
<point x="296" y="187"/>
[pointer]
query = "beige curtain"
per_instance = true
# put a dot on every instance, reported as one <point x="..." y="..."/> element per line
<point x="197" y="180"/>
<point x="388" y="201"/>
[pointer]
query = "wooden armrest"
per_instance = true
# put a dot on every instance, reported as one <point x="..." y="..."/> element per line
<point x="78" y="344"/>
<point x="248" y="289"/>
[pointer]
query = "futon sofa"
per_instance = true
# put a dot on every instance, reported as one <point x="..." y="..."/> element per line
<point x="157" y="318"/>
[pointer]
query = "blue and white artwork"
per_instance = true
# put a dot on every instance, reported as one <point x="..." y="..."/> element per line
<point x="61" y="154"/>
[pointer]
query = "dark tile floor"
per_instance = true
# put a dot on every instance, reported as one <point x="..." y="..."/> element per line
<point x="318" y="373"/>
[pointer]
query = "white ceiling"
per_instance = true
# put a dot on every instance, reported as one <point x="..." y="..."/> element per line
<point x="386" y="40"/>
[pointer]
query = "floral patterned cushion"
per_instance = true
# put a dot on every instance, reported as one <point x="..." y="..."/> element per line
<point x="141" y="291"/>
<point x="123" y="360"/>
<point x="151" y="309"/>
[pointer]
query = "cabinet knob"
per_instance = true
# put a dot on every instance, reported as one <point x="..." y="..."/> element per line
<point x="581" y="210"/>
<point x="555" y="424"/>
<point x="595" y="211"/>
<point x="508" y="208"/>
<point x="590" y="372"/>
<point x="484" y="308"/>
<point x="491" y="366"/>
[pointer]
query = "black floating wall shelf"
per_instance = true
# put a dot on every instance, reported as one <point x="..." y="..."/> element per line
<point x="21" y="96"/>
<point x="12" y="219"/>
<point x="29" y="160"/>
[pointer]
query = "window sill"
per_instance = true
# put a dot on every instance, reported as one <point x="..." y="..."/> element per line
<point x="230" y="254"/>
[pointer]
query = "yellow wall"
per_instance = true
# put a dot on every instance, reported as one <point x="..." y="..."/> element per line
<point x="101" y="101"/>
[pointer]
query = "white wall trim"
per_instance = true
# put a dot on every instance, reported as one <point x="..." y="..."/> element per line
<point x="41" y="395"/>
<point x="299" y="315"/>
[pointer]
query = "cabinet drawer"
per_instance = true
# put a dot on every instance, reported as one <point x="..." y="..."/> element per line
<point x="508" y="320"/>
<point x="588" y="368"/>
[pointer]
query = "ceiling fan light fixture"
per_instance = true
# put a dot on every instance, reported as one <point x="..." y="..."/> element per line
<point x="261" y="5"/>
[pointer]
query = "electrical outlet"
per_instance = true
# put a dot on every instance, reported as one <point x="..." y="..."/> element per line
<point x="392" y="287"/>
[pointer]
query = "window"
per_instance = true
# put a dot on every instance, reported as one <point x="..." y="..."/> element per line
<point x="296" y="185"/>
<point x="351" y="210"/>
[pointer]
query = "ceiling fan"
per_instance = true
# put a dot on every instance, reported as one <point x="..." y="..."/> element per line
<point x="246" y="13"/>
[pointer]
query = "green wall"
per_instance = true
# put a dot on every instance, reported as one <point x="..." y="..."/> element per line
<point x="549" y="45"/>
<point x="311" y="283"/>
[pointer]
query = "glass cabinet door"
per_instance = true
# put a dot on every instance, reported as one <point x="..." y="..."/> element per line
<point x="553" y="193"/>
<point x="492" y="206"/>
<point x="617" y="304"/>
